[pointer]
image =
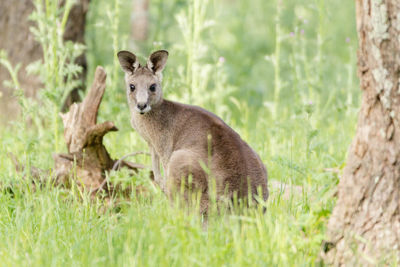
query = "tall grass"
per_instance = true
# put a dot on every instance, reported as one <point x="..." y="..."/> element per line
<point x="281" y="73"/>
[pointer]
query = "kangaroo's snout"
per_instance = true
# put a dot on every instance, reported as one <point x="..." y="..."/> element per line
<point x="141" y="106"/>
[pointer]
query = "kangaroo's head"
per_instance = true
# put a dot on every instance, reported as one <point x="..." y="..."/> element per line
<point x="143" y="83"/>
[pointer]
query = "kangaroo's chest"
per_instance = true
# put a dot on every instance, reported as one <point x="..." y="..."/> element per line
<point x="153" y="133"/>
<point x="142" y="129"/>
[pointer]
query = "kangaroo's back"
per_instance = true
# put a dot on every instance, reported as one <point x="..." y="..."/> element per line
<point x="233" y="162"/>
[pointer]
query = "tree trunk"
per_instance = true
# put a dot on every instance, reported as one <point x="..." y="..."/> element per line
<point x="364" y="228"/>
<point x="21" y="47"/>
<point x="140" y="20"/>
<point x="75" y="32"/>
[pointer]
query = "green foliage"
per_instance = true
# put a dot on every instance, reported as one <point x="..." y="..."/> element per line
<point x="281" y="73"/>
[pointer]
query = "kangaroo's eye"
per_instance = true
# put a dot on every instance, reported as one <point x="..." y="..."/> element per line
<point x="132" y="87"/>
<point x="153" y="87"/>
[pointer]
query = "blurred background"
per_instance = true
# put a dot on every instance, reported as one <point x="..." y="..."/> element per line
<point x="282" y="73"/>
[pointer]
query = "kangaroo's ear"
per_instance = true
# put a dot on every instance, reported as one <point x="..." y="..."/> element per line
<point x="128" y="61"/>
<point x="157" y="61"/>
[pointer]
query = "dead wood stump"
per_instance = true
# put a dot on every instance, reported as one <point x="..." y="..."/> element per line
<point x="87" y="160"/>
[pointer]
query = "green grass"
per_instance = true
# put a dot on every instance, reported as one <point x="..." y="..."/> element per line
<point x="52" y="227"/>
<point x="289" y="90"/>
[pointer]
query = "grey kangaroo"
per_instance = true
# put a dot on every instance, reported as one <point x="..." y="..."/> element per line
<point x="193" y="145"/>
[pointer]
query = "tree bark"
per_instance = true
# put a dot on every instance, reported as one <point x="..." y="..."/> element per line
<point x="21" y="47"/>
<point x="364" y="228"/>
<point x="75" y="32"/>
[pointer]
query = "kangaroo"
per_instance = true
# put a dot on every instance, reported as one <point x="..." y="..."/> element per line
<point x="193" y="145"/>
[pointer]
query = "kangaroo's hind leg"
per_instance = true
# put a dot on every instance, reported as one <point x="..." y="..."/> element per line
<point x="185" y="173"/>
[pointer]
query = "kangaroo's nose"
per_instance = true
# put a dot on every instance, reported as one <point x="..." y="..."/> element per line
<point x="142" y="106"/>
